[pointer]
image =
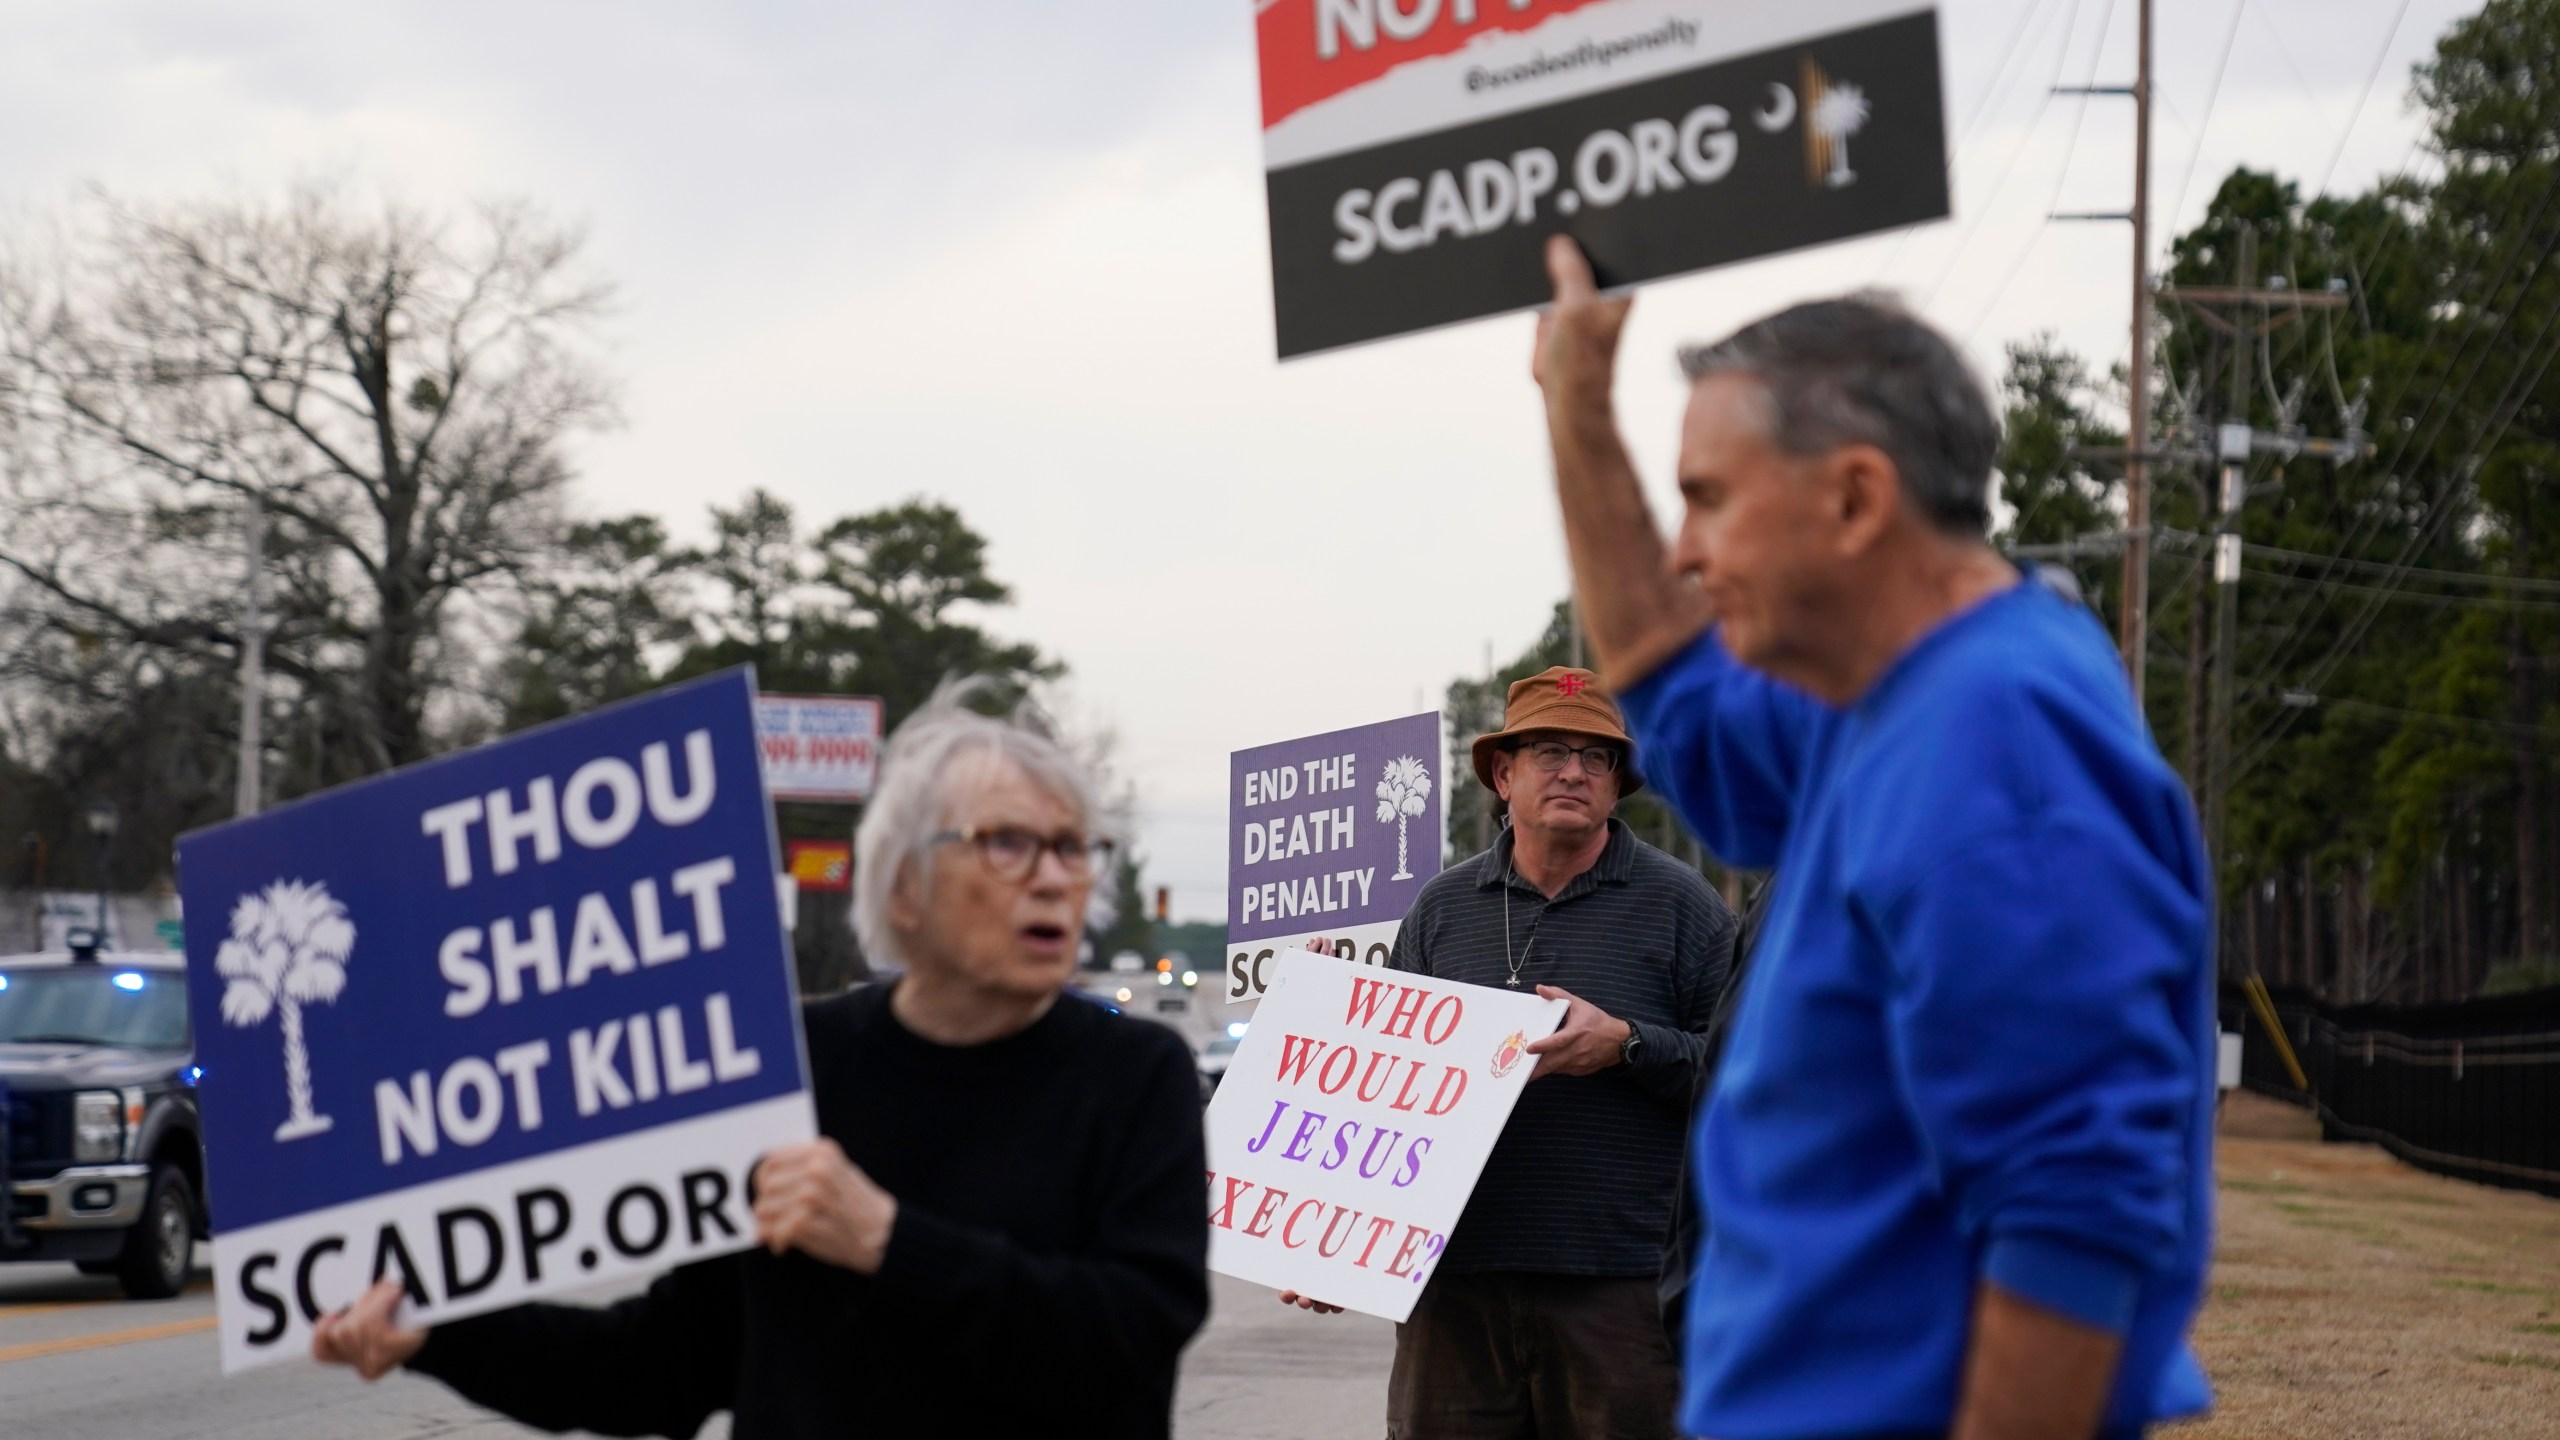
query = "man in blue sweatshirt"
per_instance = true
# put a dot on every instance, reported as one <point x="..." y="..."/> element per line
<point x="1957" y="1161"/>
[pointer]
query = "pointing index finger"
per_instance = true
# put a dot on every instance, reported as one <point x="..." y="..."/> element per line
<point x="1570" y="271"/>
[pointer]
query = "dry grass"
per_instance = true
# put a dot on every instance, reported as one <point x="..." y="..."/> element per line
<point x="2354" y="1296"/>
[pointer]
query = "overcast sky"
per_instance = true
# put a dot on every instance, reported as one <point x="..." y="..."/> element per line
<point x="1012" y="255"/>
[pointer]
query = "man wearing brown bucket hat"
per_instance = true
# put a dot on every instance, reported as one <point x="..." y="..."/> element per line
<point x="1542" y="1317"/>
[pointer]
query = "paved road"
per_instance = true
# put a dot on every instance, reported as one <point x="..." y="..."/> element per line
<point x="1266" y="1371"/>
<point x="77" y="1362"/>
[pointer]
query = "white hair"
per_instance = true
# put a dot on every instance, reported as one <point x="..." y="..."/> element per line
<point x="916" y="796"/>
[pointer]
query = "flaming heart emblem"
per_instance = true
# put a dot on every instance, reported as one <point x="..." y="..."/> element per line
<point x="1506" y="1056"/>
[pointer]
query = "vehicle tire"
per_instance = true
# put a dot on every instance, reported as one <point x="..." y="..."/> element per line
<point x="159" y="1251"/>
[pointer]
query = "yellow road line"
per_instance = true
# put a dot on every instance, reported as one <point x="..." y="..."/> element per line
<point x="12" y="1312"/>
<point x="139" y="1333"/>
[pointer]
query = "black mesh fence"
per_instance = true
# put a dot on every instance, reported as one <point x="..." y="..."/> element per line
<point x="2469" y="1089"/>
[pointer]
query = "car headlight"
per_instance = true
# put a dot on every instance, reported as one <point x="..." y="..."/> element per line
<point x="97" y="1125"/>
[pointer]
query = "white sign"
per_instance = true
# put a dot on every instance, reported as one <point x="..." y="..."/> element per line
<point x="1329" y="836"/>
<point x="1418" y="155"/>
<point x="59" y="912"/>
<point x="509" y="1022"/>
<point x="1353" y="1121"/>
<point x="819" y="747"/>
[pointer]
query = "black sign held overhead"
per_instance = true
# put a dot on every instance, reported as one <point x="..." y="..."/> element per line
<point x="1657" y="167"/>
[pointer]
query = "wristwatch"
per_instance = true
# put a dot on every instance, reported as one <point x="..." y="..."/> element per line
<point x="1628" y="1047"/>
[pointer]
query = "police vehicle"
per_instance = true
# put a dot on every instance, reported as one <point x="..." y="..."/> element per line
<point x="101" y="1152"/>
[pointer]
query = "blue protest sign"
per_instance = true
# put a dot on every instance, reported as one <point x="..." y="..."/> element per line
<point x="1331" y="835"/>
<point x="507" y="1022"/>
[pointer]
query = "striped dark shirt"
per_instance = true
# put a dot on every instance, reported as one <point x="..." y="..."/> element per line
<point x="1586" y="1176"/>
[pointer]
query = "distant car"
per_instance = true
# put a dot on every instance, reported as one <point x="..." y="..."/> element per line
<point x="1214" y="1059"/>
<point x="101" y="1149"/>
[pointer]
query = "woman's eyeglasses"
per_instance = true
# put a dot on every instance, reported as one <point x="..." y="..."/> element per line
<point x="1550" y="755"/>
<point x="1013" y="852"/>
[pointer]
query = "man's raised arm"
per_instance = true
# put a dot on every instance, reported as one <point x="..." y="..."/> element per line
<point x="1636" y="609"/>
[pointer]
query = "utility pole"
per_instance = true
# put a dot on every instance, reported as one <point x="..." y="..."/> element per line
<point x="251" y="790"/>
<point x="2233" y="446"/>
<point x="2242" y="314"/>
<point x="2134" y="625"/>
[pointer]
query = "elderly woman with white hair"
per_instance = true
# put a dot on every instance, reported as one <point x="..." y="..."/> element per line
<point x="1003" y="1228"/>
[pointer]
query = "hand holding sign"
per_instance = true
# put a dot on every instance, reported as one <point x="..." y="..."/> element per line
<point x="1587" y="1042"/>
<point x="366" y="1336"/>
<point x="1576" y="357"/>
<point x="1352" y="1125"/>
<point x="1417" y="156"/>
<point x="810" y="1197"/>
<point x="508" y="1022"/>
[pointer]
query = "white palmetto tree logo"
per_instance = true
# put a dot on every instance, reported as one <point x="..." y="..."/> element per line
<point x="288" y="948"/>
<point x="1402" y="793"/>
<point x="1840" y="113"/>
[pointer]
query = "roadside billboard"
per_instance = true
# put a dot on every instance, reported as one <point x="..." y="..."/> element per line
<point x="1353" y="1123"/>
<point x="1418" y="153"/>
<point x="1331" y="835"/>
<point x="508" y="1022"/>
<point x="823" y="748"/>
<point x="820" y="864"/>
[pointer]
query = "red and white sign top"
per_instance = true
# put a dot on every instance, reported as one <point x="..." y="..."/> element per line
<point x="1343" y="75"/>
<point x="822" y="748"/>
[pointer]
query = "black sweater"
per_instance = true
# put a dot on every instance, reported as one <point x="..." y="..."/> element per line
<point x="1047" y="1265"/>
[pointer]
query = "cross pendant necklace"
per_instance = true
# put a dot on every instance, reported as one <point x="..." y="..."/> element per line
<point x="1507" y="962"/>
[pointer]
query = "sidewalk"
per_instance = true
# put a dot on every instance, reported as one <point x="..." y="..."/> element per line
<point x="1267" y="1371"/>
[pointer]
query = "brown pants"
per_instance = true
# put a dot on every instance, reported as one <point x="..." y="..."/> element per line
<point x="1508" y="1356"/>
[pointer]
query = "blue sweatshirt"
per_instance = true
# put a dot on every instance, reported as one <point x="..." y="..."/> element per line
<point x="1977" y="1041"/>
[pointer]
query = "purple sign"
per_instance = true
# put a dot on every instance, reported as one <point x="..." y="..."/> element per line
<point x="1331" y="836"/>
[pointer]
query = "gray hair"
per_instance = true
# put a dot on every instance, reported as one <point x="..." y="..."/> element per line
<point x="1862" y="370"/>
<point x="916" y="796"/>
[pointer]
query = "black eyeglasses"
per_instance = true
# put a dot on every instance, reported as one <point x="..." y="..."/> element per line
<point x="1013" y="851"/>
<point x="1550" y="755"/>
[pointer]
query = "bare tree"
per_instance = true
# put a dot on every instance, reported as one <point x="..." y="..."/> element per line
<point x="392" y="390"/>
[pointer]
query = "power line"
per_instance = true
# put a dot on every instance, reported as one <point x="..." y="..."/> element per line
<point x="2305" y="699"/>
<point x="2487" y="438"/>
<point x="2444" y="379"/>
<point x="2212" y="97"/>
<point x="2380" y="58"/>
<point x="2061" y="176"/>
<point x="2393" y="592"/>
<point x="2284" y="53"/>
<point x="2519" y="583"/>
<point x="2268" y="735"/>
<point x="2008" y="167"/>
<point x="2028" y="12"/>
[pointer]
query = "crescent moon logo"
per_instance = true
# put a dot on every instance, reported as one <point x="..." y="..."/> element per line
<point x="1781" y="112"/>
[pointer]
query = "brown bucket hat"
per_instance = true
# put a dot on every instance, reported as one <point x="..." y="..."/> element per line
<point x="1560" y="698"/>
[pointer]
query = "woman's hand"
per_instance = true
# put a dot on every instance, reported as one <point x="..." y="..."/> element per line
<point x="363" y="1335"/>
<point x="1292" y="1297"/>
<point x="811" y="1198"/>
